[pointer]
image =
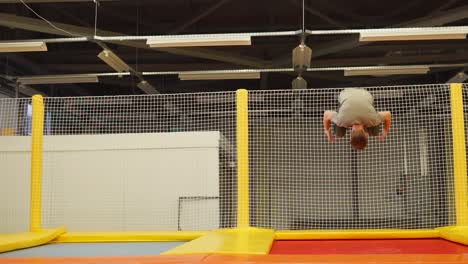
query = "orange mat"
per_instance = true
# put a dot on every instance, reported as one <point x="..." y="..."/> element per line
<point x="269" y="259"/>
<point x="367" y="246"/>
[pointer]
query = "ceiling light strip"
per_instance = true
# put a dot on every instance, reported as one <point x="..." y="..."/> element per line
<point x="223" y="35"/>
<point x="385" y="72"/>
<point x="22" y="46"/>
<point x="447" y="30"/>
<point x="59" y="79"/>
<point x="203" y="41"/>
<point x="389" y="31"/>
<point x="70" y="78"/>
<point x="51" y="40"/>
<point x="186" y="76"/>
<point x="319" y="69"/>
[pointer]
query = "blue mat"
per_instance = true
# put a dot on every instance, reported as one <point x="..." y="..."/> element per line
<point x="94" y="249"/>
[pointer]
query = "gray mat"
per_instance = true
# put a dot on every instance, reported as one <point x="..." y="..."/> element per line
<point x="94" y="249"/>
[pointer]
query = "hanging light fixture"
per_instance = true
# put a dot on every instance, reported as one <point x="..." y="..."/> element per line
<point x="299" y="83"/>
<point x="301" y="57"/>
<point x="111" y="59"/>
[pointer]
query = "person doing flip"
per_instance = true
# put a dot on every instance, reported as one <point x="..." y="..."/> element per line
<point x="356" y="112"/>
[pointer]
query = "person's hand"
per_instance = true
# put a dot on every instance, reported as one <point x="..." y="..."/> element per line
<point x="383" y="136"/>
<point x="330" y="136"/>
<point x="327" y="116"/>
<point x="387" y="116"/>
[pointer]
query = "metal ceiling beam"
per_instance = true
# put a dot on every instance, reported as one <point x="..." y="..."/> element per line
<point x="150" y="90"/>
<point x="204" y="53"/>
<point x="446" y="17"/>
<point x="36" y="69"/>
<point x="412" y="59"/>
<point x="125" y="16"/>
<point x="339" y="80"/>
<point x="351" y="42"/>
<point x="444" y="5"/>
<point x="37" y="25"/>
<point x="459" y="77"/>
<point x="29" y="91"/>
<point x="23" y="89"/>
<point x="426" y="46"/>
<point x="365" y="20"/>
<point x="69" y="15"/>
<point x="439" y="19"/>
<point x="198" y="17"/>
<point x="359" y="61"/>
<point x="49" y="1"/>
<point x="88" y="67"/>
<point x="344" y="12"/>
<point x="319" y="14"/>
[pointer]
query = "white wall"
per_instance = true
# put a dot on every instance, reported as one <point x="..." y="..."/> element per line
<point x="130" y="181"/>
<point x="15" y="183"/>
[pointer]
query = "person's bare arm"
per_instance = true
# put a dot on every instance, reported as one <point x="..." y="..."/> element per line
<point x="387" y="117"/>
<point x="327" y="117"/>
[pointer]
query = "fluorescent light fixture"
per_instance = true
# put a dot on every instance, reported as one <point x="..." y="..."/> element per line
<point x="22" y="46"/>
<point x="458" y="78"/>
<point x="411" y="34"/>
<point x="147" y="87"/>
<point x="199" y="41"/>
<point x="386" y="71"/>
<point x="218" y="76"/>
<point x="52" y="79"/>
<point x="111" y="59"/>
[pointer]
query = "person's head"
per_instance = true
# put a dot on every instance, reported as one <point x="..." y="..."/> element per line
<point x="359" y="137"/>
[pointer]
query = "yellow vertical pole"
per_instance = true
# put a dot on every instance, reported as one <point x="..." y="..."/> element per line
<point x="37" y="129"/>
<point x="459" y="154"/>
<point x="243" y="207"/>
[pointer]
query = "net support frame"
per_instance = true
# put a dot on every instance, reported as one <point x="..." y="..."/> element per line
<point x="36" y="162"/>
<point x="36" y="235"/>
<point x="459" y="154"/>
<point x="61" y="235"/>
<point x="242" y="239"/>
<point x="457" y="233"/>
<point x="243" y="206"/>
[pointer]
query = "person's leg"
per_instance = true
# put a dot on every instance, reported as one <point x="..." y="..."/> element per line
<point x="373" y="131"/>
<point x="339" y="131"/>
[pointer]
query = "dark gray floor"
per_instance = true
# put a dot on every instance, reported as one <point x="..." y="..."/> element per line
<point x="94" y="249"/>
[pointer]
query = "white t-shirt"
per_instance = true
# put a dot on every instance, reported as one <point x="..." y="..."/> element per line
<point x="356" y="107"/>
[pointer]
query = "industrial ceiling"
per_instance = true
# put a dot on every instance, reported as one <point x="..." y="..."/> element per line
<point x="48" y="19"/>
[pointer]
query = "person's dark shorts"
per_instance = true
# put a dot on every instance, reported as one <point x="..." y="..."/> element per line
<point x="373" y="131"/>
<point x="341" y="131"/>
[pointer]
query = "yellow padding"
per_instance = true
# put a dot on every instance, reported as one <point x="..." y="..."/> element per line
<point x="127" y="236"/>
<point x="459" y="154"/>
<point x="37" y="138"/>
<point x="457" y="234"/>
<point x="242" y="120"/>
<point x="356" y="234"/>
<point x="229" y="241"/>
<point x="9" y="242"/>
